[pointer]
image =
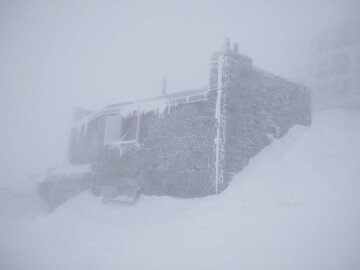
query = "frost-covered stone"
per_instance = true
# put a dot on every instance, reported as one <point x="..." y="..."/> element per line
<point x="191" y="143"/>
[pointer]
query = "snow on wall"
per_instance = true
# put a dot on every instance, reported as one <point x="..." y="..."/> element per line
<point x="260" y="105"/>
<point x="219" y="88"/>
<point x="220" y="119"/>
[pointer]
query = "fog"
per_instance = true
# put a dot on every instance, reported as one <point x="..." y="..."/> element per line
<point x="56" y="55"/>
<point x="293" y="200"/>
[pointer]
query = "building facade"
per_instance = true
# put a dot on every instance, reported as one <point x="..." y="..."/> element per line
<point x="191" y="143"/>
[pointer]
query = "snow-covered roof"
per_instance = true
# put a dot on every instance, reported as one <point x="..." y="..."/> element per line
<point x="157" y="104"/>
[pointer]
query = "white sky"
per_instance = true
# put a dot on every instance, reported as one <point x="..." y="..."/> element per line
<point x="55" y="55"/>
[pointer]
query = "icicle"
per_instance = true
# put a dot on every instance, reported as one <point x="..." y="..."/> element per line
<point x="158" y="106"/>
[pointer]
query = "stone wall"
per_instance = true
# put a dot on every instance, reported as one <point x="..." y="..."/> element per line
<point x="260" y="107"/>
<point x="174" y="155"/>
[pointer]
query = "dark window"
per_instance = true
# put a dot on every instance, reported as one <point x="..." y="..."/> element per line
<point x="128" y="128"/>
<point x="121" y="129"/>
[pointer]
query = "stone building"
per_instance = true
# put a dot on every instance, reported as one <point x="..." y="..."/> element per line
<point x="191" y="143"/>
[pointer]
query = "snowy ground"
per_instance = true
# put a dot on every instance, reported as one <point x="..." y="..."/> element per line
<point x="296" y="206"/>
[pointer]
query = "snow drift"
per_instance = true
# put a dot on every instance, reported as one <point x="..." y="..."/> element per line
<point x="295" y="206"/>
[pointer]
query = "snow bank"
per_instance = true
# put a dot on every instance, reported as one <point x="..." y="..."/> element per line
<point x="294" y="207"/>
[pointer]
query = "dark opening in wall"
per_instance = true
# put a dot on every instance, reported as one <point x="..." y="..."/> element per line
<point x="128" y="128"/>
<point x="120" y="129"/>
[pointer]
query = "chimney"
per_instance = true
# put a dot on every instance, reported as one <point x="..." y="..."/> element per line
<point x="163" y="87"/>
<point x="226" y="45"/>
<point x="236" y="47"/>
